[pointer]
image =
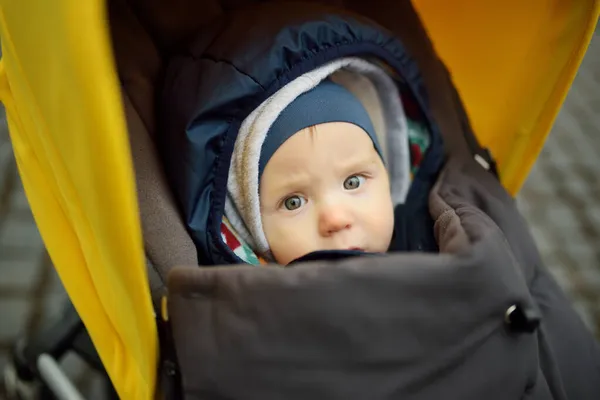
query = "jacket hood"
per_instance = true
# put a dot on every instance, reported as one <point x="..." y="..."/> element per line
<point x="243" y="207"/>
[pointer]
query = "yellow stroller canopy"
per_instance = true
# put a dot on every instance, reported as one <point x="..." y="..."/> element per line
<point x="512" y="61"/>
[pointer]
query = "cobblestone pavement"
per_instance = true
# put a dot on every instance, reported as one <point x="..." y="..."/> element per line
<point x="561" y="200"/>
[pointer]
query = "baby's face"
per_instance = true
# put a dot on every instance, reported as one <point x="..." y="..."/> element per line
<point x="326" y="188"/>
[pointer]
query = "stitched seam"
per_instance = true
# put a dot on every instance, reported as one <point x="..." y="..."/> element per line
<point x="209" y="58"/>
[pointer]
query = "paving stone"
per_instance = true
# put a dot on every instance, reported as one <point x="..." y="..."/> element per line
<point x="55" y="286"/>
<point x="20" y="234"/>
<point x="594" y="214"/>
<point x="587" y="258"/>
<point x="591" y="278"/>
<point x="539" y="182"/>
<point x="4" y="360"/>
<point x="18" y="200"/>
<point x="52" y="307"/>
<point x="543" y="241"/>
<point x="17" y="274"/>
<point x="11" y="253"/>
<point x="577" y="187"/>
<point x="13" y="318"/>
<point x="6" y="159"/>
<point x="4" y="138"/>
<point x="585" y="314"/>
<point x="561" y="276"/>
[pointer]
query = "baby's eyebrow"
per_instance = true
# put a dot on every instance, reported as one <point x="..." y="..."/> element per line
<point x="356" y="163"/>
<point x="291" y="181"/>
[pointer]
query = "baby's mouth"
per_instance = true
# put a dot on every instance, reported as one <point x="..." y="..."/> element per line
<point x="356" y="249"/>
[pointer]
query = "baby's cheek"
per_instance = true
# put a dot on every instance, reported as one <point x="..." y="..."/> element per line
<point x="291" y="240"/>
<point x="383" y="221"/>
<point x="271" y="229"/>
<point x="285" y="242"/>
<point x="287" y="248"/>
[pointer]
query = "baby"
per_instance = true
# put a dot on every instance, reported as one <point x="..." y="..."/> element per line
<point x="323" y="184"/>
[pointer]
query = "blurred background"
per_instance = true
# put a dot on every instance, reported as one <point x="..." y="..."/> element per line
<point x="561" y="201"/>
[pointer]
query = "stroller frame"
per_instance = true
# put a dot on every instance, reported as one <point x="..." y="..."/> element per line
<point x="33" y="372"/>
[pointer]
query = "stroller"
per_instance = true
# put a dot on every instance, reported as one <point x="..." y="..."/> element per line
<point x="86" y="151"/>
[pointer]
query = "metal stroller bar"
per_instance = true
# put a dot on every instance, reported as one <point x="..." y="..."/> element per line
<point x="56" y="380"/>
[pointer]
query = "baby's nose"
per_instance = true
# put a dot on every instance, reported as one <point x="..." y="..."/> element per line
<point x="334" y="219"/>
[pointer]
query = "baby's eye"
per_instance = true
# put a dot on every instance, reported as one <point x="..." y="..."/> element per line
<point x="353" y="182"/>
<point x="294" y="202"/>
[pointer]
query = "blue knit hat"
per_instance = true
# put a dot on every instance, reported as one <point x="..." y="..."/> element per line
<point x="327" y="102"/>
